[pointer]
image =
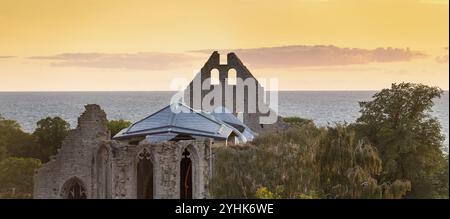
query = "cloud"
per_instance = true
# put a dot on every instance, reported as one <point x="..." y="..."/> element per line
<point x="443" y="59"/>
<point x="306" y="56"/>
<point x="134" y="61"/>
<point x="6" y="57"/>
<point x="271" y="57"/>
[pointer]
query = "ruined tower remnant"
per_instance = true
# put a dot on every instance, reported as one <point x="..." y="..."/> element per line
<point x="72" y="172"/>
<point x="246" y="96"/>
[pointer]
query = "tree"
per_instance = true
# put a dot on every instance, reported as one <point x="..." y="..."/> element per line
<point x="398" y="123"/>
<point x="3" y="151"/>
<point x="303" y="162"/>
<point x="16" y="177"/>
<point x="115" y="126"/>
<point x="349" y="167"/>
<point x="442" y="178"/>
<point x="50" y="133"/>
<point x="13" y="141"/>
<point x="274" y="165"/>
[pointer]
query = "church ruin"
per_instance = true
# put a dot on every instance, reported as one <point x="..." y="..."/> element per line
<point x="91" y="165"/>
<point x="167" y="155"/>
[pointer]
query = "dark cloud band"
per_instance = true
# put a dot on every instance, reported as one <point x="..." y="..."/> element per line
<point x="136" y="61"/>
<point x="271" y="57"/>
<point x="6" y="57"/>
<point x="300" y="56"/>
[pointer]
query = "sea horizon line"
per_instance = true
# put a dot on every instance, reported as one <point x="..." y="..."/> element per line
<point x="106" y="91"/>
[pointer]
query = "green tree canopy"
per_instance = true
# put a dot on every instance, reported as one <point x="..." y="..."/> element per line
<point x="50" y="133"/>
<point x="115" y="126"/>
<point x="398" y="123"/>
<point x="16" y="177"/>
<point x="303" y="162"/>
<point x="297" y="121"/>
<point x="13" y="141"/>
<point x="274" y="165"/>
<point x="349" y="168"/>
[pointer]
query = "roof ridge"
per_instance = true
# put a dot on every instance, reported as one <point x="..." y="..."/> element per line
<point x="201" y="113"/>
<point x="132" y="125"/>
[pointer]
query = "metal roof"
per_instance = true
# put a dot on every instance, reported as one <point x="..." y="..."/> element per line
<point x="225" y="115"/>
<point x="182" y="120"/>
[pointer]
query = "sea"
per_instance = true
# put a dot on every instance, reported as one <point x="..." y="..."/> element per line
<point x="325" y="108"/>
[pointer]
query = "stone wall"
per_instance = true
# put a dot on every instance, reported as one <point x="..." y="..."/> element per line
<point x="75" y="160"/>
<point x="251" y="119"/>
<point x="165" y="158"/>
<point x="108" y="169"/>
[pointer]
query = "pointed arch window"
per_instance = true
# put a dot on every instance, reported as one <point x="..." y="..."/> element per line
<point x="74" y="189"/>
<point x="186" y="175"/>
<point x="144" y="175"/>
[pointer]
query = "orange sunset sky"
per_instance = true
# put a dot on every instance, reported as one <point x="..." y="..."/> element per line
<point x="122" y="45"/>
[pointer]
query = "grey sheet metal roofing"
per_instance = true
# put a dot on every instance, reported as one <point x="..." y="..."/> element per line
<point x="186" y="121"/>
<point x="224" y="115"/>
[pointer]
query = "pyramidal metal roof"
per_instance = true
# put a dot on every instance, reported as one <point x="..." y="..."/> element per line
<point x="178" y="118"/>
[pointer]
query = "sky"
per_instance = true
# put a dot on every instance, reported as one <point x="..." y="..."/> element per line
<point x="137" y="45"/>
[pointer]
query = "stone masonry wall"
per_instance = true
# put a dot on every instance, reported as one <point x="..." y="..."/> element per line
<point x="166" y="158"/>
<point x="116" y="175"/>
<point x="75" y="159"/>
<point x="251" y="119"/>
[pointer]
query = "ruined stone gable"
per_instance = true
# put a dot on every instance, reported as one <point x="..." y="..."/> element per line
<point x="74" y="161"/>
<point x="232" y="70"/>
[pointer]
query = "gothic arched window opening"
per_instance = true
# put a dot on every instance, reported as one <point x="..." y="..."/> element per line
<point x="145" y="176"/>
<point x="74" y="189"/>
<point x="186" y="176"/>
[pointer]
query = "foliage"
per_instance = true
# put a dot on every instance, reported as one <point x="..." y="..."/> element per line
<point x="442" y="179"/>
<point x="115" y="126"/>
<point x="19" y="150"/>
<point x="283" y="162"/>
<point x="297" y="121"/>
<point x="15" y="142"/>
<point x="264" y="193"/>
<point x="16" y="177"/>
<point x="394" y="150"/>
<point x="349" y="167"/>
<point x="305" y="162"/>
<point x="50" y="133"/>
<point x="310" y="195"/>
<point x="3" y="152"/>
<point x="398" y="123"/>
